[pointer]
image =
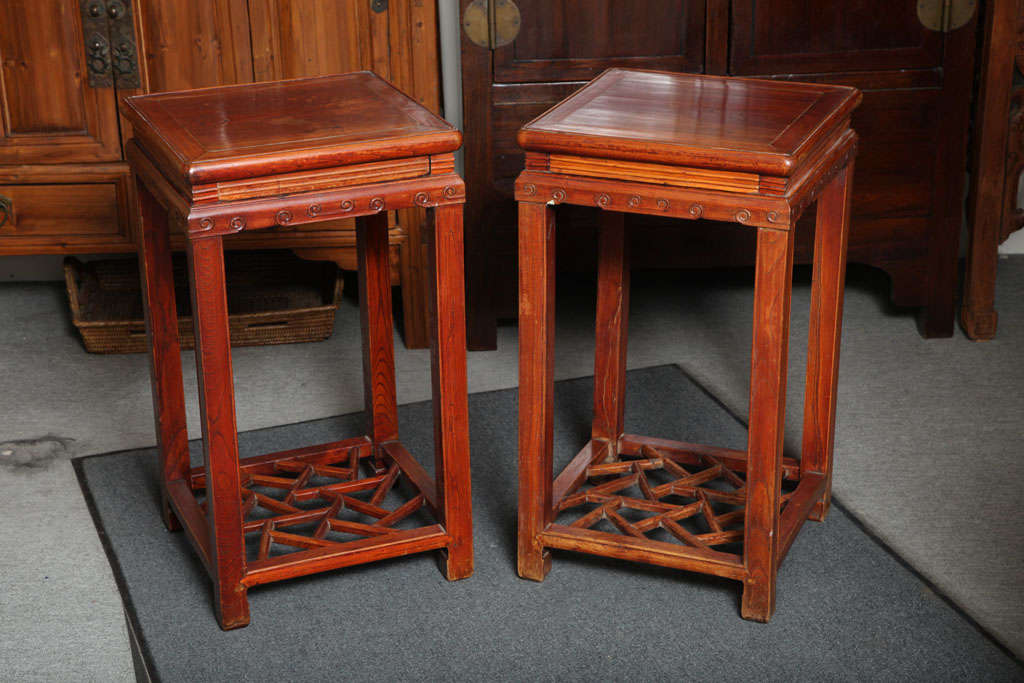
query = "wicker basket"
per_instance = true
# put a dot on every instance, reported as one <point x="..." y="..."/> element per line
<point x="273" y="298"/>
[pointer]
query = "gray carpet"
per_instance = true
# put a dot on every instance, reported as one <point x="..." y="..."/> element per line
<point x="847" y="609"/>
<point x="927" y="429"/>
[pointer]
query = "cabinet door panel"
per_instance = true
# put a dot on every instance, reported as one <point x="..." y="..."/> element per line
<point x="577" y="39"/>
<point x="193" y="44"/>
<point x="50" y="113"/>
<point x="794" y="36"/>
<point x="296" y="38"/>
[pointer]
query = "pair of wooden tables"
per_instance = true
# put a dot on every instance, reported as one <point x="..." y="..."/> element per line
<point x="218" y="161"/>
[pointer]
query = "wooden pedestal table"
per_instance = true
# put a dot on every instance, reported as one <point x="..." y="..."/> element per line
<point x="683" y="146"/>
<point x="219" y="161"/>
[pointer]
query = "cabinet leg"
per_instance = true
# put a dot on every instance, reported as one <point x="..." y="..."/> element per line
<point x="164" y="350"/>
<point x="611" y="336"/>
<point x="825" y="333"/>
<point x="220" y="436"/>
<point x="772" y="294"/>
<point x="378" y="336"/>
<point x="536" y="384"/>
<point x="448" y="378"/>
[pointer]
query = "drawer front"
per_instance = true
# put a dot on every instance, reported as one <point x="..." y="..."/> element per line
<point x="64" y="218"/>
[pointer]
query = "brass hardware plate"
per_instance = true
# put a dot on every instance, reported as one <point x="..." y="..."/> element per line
<point x="97" y="43"/>
<point x="124" y="61"/>
<point x="491" y="23"/>
<point x="945" y="15"/>
<point x="111" y="55"/>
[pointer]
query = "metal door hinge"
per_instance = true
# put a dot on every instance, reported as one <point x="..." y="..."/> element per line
<point x="945" y="15"/>
<point x="111" y="55"/>
<point x="491" y="23"/>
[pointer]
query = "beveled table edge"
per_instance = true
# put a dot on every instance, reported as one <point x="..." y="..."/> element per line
<point x="532" y="139"/>
<point x="198" y="172"/>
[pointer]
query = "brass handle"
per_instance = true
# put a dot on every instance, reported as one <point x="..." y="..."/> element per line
<point x="492" y="23"/>
<point x="6" y="211"/>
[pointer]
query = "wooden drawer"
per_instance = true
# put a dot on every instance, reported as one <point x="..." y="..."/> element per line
<point x="87" y="215"/>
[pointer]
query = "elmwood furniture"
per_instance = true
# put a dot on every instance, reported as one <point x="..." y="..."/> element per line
<point x="220" y="161"/>
<point x="66" y="64"/>
<point x="753" y="152"/>
<point x="998" y="162"/>
<point x="912" y="59"/>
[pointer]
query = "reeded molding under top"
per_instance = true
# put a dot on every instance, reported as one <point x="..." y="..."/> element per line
<point x="734" y="124"/>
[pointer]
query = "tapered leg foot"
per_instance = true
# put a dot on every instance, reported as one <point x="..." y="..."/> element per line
<point x="232" y="608"/>
<point x="456" y="564"/>
<point x="758" y="601"/>
<point x="534" y="564"/>
<point x="820" y="510"/>
<point x="167" y="513"/>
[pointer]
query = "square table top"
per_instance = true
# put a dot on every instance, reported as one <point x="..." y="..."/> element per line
<point x="233" y="132"/>
<point x="735" y="124"/>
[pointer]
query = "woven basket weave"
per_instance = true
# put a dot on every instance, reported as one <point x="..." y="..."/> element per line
<point x="274" y="297"/>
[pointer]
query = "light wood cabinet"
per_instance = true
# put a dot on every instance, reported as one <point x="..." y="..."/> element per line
<point x="67" y="63"/>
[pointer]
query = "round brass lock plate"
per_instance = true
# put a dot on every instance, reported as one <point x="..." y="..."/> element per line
<point x="491" y="23"/>
<point x="945" y="15"/>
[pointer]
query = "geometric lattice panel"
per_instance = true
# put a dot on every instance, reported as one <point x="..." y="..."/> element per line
<point x="653" y="496"/>
<point x="301" y="504"/>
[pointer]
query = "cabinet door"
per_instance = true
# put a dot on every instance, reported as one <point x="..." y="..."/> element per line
<point x="562" y="40"/>
<point x="50" y="112"/>
<point x="560" y="45"/>
<point x="795" y="36"/>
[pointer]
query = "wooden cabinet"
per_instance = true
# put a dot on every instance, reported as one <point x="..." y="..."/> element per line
<point x="63" y="181"/>
<point x="51" y="114"/>
<point x="908" y="189"/>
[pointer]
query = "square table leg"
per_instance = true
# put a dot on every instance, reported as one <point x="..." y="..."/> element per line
<point x="610" y="337"/>
<point x="773" y="287"/>
<point x="164" y="349"/>
<point x="536" y="384"/>
<point x="378" y="337"/>
<point x="825" y="332"/>
<point x="448" y="380"/>
<point x="220" y="435"/>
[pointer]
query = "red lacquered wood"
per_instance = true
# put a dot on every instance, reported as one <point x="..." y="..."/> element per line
<point x="414" y="471"/>
<point x="806" y="496"/>
<point x="164" y="350"/>
<point x="643" y="550"/>
<point x="241" y="131"/>
<point x="732" y="124"/>
<point x="309" y="454"/>
<point x="575" y="473"/>
<point x="337" y="556"/>
<point x="220" y="435"/>
<point x="448" y="372"/>
<point x="825" y="333"/>
<point x="611" y="334"/>
<point x="772" y="294"/>
<point x="691" y="147"/>
<point x="227" y="160"/>
<point x="192" y="519"/>
<point x="378" y="336"/>
<point x="536" y="384"/>
<point x="694" y="453"/>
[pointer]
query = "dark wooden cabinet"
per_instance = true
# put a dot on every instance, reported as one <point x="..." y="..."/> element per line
<point x="63" y="181"/>
<point x="908" y="189"/>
